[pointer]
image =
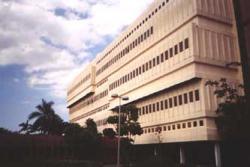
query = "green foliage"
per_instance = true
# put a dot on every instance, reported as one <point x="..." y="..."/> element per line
<point x="233" y="119"/>
<point x="84" y="142"/>
<point x="4" y="131"/>
<point x="46" y="120"/>
<point x="25" y="127"/>
<point x="129" y="117"/>
<point x="109" y="132"/>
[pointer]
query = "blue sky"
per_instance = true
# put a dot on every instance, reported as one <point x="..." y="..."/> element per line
<point x="45" y="44"/>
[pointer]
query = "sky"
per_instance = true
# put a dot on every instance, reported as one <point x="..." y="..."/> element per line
<point x="44" y="44"/>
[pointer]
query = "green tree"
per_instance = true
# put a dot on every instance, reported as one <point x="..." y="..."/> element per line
<point x="46" y="120"/>
<point x="4" y="131"/>
<point x="25" y="127"/>
<point x="233" y="117"/>
<point x="109" y="132"/>
<point x="129" y="121"/>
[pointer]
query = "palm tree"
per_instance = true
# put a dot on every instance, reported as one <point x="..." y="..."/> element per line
<point x="25" y="127"/>
<point x="46" y="120"/>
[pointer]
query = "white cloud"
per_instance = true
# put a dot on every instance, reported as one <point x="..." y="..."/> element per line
<point x="53" y="47"/>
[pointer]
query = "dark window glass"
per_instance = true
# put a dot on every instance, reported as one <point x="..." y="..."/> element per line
<point x="143" y="68"/>
<point x="201" y="123"/>
<point x="150" y="64"/>
<point x="183" y="125"/>
<point x="189" y="124"/>
<point x="170" y="102"/>
<point x="145" y="35"/>
<point x="185" y="98"/>
<point x="162" y="105"/>
<point x="162" y="57"/>
<point x="166" y="55"/>
<point x="149" y="108"/>
<point x="139" y="70"/>
<point x="169" y="127"/>
<point x="171" y="52"/>
<point x="178" y="126"/>
<point x="186" y="43"/>
<point x="180" y="99"/>
<point x="152" y="30"/>
<point x="181" y="46"/>
<point x="175" y="101"/>
<point x="195" y="123"/>
<point x="154" y="107"/>
<point x="158" y="59"/>
<point x="146" y="109"/>
<point x="164" y="128"/>
<point x="157" y="106"/>
<point x="146" y="66"/>
<point x="153" y="62"/>
<point x="142" y="38"/>
<point x="191" y="97"/>
<point x="166" y="104"/>
<point x="148" y="33"/>
<point x="173" y="127"/>
<point x="143" y="110"/>
<point x="176" y="49"/>
<point x="197" y="95"/>
<point x="149" y="130"/>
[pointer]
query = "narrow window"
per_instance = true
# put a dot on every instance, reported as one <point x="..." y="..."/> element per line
<point x="171" y="52"/>
<point x="195" y="124"/>
<point x="146" y="109"/>
<point x="186" y="43"/>
<point x="164" y="128"/>
<point x="181" y="46"/>
<point x="157" y="106"/>
<point x="180" y="99"/>
<point x="162" y="57"/>
<point x="154" y="107"/>
<point x="191" y="97"/>
<point x="197" y="95"/>
<point x="150" y="64"/>
<point x="152" y="30"/>
<point x="178" y="126"/>
<point x="201" y="123"/>
<point x="169" y="127"/>
<point x="146" y="66"/>
<point x="153" y="62"/>
<point x="176" y="49"/>
<point x="170" y="102"/>
<point x="162" y="105"/>
<point x="143" y="110"/>
<point x="166" y="55"/>
<point x="143" y="68"/>
<point x="139" y="70"/>
<point x="158" y="60"/>
<point x="149" y="108"/>
<point x="185" y="98"/>
<point x="175" y="101"/>
<point x="183" y="125"/>
<point x="189" y="124"/>
<point x="166" y="104"/>
<point x="173" y="127"/>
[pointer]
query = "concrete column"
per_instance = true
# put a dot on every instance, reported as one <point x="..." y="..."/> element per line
<point x="182" y="155"/>
<point x="217" y="155"/>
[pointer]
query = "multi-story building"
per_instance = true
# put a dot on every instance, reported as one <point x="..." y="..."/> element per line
<point x="162" y="62"/>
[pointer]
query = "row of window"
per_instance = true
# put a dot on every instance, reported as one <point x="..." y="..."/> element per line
<point x="178" y="48"/>
<point x="101" y="82"/>
<point x="184" y="125"/>
<point x="99" y="109"/>
<point x="171" y="102"/>
<point x="88" y="101"/>
<point x="79" y="83"/>
<point x="101" y="122"/>
<point x="136" y="28"/>
<point x="127" y="49"/>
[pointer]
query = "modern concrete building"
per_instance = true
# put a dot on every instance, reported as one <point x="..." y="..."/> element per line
<point x="162" y="62"/>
